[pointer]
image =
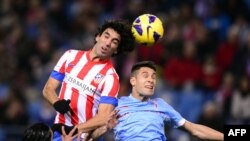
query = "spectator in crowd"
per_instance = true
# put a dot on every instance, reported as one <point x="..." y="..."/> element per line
<point x="241" y="102"/>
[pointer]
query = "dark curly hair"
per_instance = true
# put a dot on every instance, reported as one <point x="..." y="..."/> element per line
<point x="37" y="132"/>
<point x="123" y="28"/>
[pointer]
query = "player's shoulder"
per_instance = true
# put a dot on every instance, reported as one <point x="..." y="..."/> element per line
<point x="123" y="99"/>
<point x="111" y="71"/>
<point x="158" y="99"/>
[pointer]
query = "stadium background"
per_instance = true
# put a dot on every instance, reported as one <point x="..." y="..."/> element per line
<point x="203" y="59"/>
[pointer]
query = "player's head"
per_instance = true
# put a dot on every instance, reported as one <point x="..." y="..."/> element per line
<point x="38" y="132"/>
<point x="143" y="79"/>
<point x="123" y="28"/>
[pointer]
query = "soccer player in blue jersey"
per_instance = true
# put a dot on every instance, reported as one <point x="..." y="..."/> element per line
<point x="143" y="118"/>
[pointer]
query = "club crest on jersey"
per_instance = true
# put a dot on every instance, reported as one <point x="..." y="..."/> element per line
<point x="98" y="78"/>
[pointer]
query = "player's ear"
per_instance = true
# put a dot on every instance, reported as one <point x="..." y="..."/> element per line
<point x="97" y="37"/>
<point x="132" y="81"/>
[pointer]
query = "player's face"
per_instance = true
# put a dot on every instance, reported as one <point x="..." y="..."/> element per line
<point x="107" y="43"/>
<point x="144" y="82"/>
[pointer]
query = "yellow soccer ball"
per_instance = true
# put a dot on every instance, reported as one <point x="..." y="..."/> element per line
<point x="147" y="29"/>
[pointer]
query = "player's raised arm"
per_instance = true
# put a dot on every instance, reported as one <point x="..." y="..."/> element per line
<point x="203" y="132"/>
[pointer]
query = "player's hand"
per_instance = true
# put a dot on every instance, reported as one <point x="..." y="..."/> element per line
<point x="62" y="106"/>
<point x="87" y="137"/>
<point x="113" y="119"/>
<point x="70" y="136"/>
<point x="58" y="127"/>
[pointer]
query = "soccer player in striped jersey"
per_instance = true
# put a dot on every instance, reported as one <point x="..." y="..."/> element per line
<point x="88" y="80"/>
<point x="143" y="118"/>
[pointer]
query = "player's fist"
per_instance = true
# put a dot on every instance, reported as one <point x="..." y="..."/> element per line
<point x="62" y="106"/>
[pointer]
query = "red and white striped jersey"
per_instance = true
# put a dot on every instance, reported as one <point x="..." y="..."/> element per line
<point x="85" y="83"/>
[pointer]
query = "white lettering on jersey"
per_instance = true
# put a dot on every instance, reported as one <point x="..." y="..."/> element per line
<point x="79" y="84"/>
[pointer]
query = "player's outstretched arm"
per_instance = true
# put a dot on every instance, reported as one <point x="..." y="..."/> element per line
<point x="111" y="123"/>
<point x="95" y="133"/>
<point x="203" y="132"/>
<point x="99" y="120"/>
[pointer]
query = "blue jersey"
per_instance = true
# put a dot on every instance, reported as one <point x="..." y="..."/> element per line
<point x="144" y="121"/>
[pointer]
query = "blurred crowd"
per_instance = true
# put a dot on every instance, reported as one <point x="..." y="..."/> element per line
<point x="203" y="59"/>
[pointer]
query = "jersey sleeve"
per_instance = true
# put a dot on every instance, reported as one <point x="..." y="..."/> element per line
<point x="110" y="90"/>
<point x="59" y="70"/>
<point x="174" y="117"/>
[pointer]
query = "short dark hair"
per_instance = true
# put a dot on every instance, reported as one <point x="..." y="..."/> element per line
<point x="127" y="43"/>
<point x="37" y="132"/>
<point x="138" y="65"/>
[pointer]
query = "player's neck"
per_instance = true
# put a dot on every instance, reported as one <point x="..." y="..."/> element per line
<point x="95" y="58"/>
<point x="140" y="97"/>
<point x="144" y="98"/>
<point x="98" y="59"/>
